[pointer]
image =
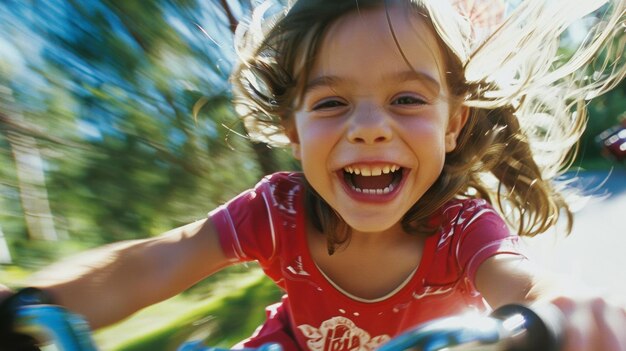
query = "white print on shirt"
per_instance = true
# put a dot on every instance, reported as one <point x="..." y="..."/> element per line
<point x="444" y="238"/>
<point x="430" y="291"/>
<point x="477" y="215"/>
<point x="287" y="203"/>
<point x="449" y="230"/>
<point x="299" y="267"/>
<point x="340" y="334"/>
<point x="464" y="218"/>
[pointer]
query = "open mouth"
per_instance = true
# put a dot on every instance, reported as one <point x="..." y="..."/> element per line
<point x="376" y="180"/>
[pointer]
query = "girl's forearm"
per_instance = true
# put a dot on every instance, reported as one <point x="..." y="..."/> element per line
<point x="108" y="284"/>
<point x="99" y="284"/>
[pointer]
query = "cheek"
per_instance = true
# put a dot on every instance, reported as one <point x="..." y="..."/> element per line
<point x="317" y="135"/>
<point x="424" y="130"/>
<point x="427" y="140"/>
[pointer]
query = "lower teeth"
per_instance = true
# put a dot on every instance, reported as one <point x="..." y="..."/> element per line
<point x="386" y="190"/>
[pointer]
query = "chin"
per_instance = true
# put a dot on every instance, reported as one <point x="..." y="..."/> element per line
<point x="371" y="225"/>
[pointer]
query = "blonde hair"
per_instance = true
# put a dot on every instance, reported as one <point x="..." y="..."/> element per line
<point x="527" y="101"/>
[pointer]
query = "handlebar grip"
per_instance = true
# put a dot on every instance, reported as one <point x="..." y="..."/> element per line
<point x="10" y="339"/>
<point x="538" y="327"/>
<point x="69" y="331"/>
<point x="198" y="345"/>
<point x="509" y="328"/>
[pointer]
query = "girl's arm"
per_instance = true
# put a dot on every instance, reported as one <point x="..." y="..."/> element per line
<point x="108" y="284"/>
<point x="591" y="322"/>
<point x="4" y="292"/>
<point x="504" y="279"/>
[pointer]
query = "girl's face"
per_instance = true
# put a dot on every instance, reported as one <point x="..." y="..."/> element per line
<point x="373" y="130"/>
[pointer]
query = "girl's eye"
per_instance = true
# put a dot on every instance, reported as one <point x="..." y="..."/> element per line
<point x="328" y="104"/>
<point x="408" y="100"/>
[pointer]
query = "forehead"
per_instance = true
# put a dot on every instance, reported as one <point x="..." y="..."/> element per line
<point x="378" y="41"/>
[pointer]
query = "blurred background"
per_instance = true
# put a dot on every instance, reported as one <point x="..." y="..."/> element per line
<point x="116" y="123"/>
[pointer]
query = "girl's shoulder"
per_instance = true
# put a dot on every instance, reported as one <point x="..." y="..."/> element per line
<point x="283" y="180"/>
<point x="283" y="190"/>
<point x="463" y="211"/>
<point x="459" y="205"/>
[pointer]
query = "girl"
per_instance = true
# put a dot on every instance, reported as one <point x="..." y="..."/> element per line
<point x="408" y="127"/>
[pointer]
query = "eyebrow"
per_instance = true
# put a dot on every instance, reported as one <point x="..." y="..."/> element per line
<point x="426" y="79"/>
<point x="322" y="81"/>
<point x="429" y="81"/>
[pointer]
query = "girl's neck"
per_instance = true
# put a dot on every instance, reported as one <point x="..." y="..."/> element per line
<point x="370" y="265"/>
<point x="380" y="240"/>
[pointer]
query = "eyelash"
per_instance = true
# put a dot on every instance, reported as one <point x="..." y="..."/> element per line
<point x="414" y="100"/>
<point x="334" y="103"/>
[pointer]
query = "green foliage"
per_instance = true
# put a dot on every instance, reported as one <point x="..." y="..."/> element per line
<point x="223" y="321"/>
<point x="128" y="105"/>
<point x="604" y="113"/>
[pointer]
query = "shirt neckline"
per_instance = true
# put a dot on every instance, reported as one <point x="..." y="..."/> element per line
<point x="364" y="300"/>
<point x="405" y="287"/>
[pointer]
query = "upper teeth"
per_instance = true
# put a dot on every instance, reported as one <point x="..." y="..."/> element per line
<point x="368" y="171"/>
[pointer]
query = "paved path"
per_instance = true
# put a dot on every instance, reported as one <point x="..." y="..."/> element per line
<point x="595" y="252"/>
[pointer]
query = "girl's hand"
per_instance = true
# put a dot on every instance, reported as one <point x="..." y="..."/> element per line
<point x="5" y="292"/>
<point x="12" y="341"/>
<point x="592" y="324"/>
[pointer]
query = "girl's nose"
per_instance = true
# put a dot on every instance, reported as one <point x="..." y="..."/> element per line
<point x="369" y="125"/>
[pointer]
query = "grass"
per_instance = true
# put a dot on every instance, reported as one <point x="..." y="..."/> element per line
<point x="232" y="312"/>
<point x="222" y="310"/>
<point x="10" y="275"/>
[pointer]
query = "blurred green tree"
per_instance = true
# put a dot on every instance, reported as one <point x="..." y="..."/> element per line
<point x="128" y="106"/>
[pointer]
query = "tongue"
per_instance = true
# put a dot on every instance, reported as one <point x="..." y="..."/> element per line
<point x="374" y="182"/>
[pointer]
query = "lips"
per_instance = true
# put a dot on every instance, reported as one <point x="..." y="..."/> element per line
<point x="373" y="179"/>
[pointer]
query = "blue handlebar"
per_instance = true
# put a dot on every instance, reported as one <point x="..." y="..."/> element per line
<point x="69" y="331"/>
<point x="511" y="327"/>
<point x="448" y="332"/>
<point x="199" y="346"/>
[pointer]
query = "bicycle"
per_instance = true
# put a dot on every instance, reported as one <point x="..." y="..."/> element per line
<point x="613" y="142"/>
<point x="511" y="327"/>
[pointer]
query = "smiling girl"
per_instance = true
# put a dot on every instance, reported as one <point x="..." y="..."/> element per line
<point x="408" y="127"/>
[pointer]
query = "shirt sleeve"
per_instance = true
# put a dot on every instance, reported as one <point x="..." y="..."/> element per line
<point x="245" y="226"/>
<point x="483" y="234"/>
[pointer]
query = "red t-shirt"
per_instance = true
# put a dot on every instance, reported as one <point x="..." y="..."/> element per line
<point x="267" y="224"/>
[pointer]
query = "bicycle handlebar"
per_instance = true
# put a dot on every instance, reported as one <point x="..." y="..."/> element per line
<point x="510" y="328"/>
<point x="69" y="331"/>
